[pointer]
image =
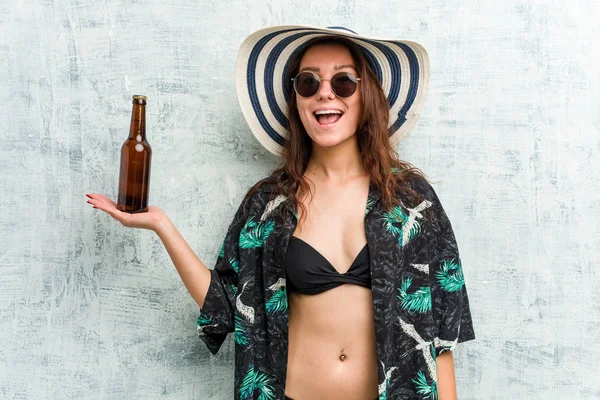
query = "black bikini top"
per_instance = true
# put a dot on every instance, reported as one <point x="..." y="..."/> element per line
<point x="308" y="272"/>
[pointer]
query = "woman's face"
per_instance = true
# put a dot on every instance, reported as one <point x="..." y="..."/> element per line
<point x="326" y="60"/>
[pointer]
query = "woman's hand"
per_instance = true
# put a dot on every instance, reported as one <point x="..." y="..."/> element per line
<point x="146" y="220"/>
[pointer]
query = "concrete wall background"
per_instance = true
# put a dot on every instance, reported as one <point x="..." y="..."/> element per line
<point x="92" y="310"/>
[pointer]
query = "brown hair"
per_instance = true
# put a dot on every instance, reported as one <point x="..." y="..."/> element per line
<point x="388" y="173"/>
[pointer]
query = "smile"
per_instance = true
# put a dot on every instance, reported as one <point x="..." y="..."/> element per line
<point x="328" y="117"/>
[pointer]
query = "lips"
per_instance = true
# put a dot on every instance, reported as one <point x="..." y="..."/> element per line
<point x="328" y="116"/>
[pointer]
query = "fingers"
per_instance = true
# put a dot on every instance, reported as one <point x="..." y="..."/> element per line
<point x="93" y="200"/>
<point x="101" y="197"/>
<point x="89" y="202"/>
<point x="103" y="203"/>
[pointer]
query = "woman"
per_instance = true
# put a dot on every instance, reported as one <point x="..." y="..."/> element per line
<point x="339" y="273"/>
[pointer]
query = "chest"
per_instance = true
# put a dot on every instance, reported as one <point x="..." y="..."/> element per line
<point x="332" y="221"/>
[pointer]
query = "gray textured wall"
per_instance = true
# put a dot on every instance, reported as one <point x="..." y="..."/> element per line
<point x="92" y="310"/>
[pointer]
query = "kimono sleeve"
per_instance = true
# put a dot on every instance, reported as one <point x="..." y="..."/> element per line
<point x="450" y="302"/>
<point x="216" y="317"/>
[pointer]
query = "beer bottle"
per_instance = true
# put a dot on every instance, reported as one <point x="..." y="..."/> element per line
<point x="134" y="177"/>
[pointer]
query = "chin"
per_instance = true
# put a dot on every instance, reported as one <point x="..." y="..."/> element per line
<point x="329" y="139"/>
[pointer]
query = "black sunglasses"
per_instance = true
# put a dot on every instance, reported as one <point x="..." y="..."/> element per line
<point x="343" y="84"/>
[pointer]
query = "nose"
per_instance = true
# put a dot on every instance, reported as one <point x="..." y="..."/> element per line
<point x="325" y="91"/>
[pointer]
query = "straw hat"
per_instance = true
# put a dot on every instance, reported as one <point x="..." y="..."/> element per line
<point x="401" y="66"/>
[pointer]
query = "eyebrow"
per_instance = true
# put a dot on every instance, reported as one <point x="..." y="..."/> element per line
<point x="336" y="67"/>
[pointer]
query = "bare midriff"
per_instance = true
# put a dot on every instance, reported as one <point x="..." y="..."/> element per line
<point x="331" y="345"/>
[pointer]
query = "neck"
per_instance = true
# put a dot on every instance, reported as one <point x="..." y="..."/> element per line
<point x="337" y="163"/>
<point x="137" y="128"/>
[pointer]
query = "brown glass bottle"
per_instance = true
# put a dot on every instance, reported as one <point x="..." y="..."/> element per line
<point x="134" y="177"/>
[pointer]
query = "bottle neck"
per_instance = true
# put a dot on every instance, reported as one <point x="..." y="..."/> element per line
<point x="137" y="128"/>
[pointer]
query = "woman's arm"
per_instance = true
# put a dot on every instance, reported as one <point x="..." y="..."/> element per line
<point x="445" y="376"/>
<point x="194" y="274"/>
<point x="213" y="290"/>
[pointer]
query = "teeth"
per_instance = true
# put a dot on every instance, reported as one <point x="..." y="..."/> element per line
<point x="322" y="112"/>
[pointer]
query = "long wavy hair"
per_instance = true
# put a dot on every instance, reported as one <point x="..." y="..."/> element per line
<point x="387" y="171"/>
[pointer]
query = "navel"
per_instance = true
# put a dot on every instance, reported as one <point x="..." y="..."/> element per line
<point x="342" y="356"/>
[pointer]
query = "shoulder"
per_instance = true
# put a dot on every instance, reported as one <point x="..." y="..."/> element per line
<point x="418" y="194"/>
<point x="414" y="190"/>
<point x="265" y="187"/>
<point x="423" y="188"/>
<point x="260" y="193"/>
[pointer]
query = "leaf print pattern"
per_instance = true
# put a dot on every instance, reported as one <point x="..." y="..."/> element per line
<point x="398" y="216"/>
<point x="247" y="294"/>
<point x="442" y="346"/>
<point x="422" y="345"/>
<point x="256" y="381"/>
<point x="241" y="336"/>
<point x="382" y="388"/>
<point x="272" y="205"/>
<point x="277" y="302"/>
<point x="255" y="234"/>
<point x="235" y="264"/>
<point x="418" y="301"/>
<point x="450" y="276"/>
<point x="412" y="226"/>
<point x="421" y="267"/>
<point x="370" y="204"/>
<point x="245" y="310"/>
<point x="202" y="320"/>
<point x="424" y="388"/>
<point x="391" y="228"/>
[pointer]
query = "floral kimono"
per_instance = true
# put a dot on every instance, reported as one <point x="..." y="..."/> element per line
<point x="420" y="301"/>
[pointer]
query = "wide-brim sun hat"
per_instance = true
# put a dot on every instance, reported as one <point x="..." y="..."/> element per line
<point x="401" y="66"/>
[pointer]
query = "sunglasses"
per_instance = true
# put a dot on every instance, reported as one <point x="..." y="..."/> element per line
<point x="343" y="84"/>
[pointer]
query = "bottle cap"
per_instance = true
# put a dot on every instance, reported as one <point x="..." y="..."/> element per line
<point x="139" y="99"/>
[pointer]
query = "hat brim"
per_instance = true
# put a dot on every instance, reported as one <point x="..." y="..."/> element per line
<point x="401" y="66"/>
